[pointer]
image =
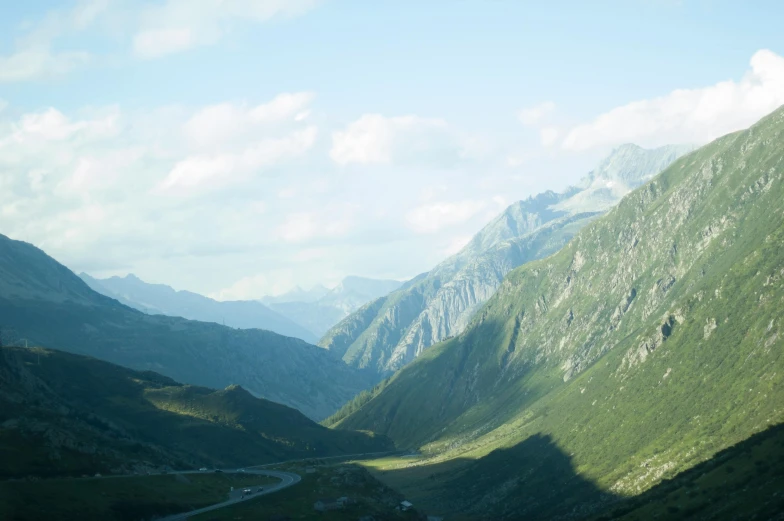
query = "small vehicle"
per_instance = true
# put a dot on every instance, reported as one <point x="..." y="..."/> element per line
<point x="247" y="491"/>
<point x="218" y="471"/>
<point x="259" y="489"/>
<point x="203" y="469"/>
<point x="240" y="470"/>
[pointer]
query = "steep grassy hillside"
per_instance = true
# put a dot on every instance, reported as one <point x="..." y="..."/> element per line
<point x="44" y="302"/>
<point x="68" y="415"/>
<point x="440" y="304"/>
<point x="741" y="482"/>
<point x="651" y="341"/>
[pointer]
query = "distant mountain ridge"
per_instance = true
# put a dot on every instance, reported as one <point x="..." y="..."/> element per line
<point x="297" y="295"/>
<point x="387" y="334"/>
<point x="160" y="299"/>
<point x="319" y="308"/>
<point x="43" y="301"/>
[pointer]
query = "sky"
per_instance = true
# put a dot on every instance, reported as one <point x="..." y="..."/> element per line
<point x="238" y="148"/>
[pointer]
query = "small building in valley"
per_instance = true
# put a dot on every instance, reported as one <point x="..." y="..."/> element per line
<point x="406" y="505"/>
<point x="345" y="501"/>
<point x="325" y="505"/>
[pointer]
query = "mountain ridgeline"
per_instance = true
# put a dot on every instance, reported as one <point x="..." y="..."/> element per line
<point x="320" y="308"/>
<point x="160" y="299"/>
<point x="68" y="415"/>
<point x="652" y="340"/>
<point x="44" y="303"/>
<point x="388" y="333"/>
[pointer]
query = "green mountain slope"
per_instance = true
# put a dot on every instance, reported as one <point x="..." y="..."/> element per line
<point x="44" y="302"/>
<point x="440" y="303"/>
<point x="741" y="482"/>
<point x="652" y="340"/>
<point x="64" y="414"/>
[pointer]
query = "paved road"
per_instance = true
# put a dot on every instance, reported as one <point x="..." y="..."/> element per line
<point x="287" y="479"/>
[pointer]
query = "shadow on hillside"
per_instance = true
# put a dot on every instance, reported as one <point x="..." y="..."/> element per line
<point x="535" y="480"/>
<point x="743" y="481"/>
<point x="531" y="480"/>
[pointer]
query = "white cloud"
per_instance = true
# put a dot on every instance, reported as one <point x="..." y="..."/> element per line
<point x="217" y="124"/>
<point x="32" y="64"/>
<point x="159" y="42"/>
<point x="82" y="185"/>
<point x="254" y="287"/>
<point x="35" y="129"/>
<point x="533" y="116"/>
<point x="93" y="188"/>
<point x="298" y="227"/>
<point x="310" y="254"/>
<point x="456" y="244"/>
<point x="156" y="30"/>
<point x="178" y="25"/>
<point x="432" y="217"/>
<point x="201" y="173"/>
<point x="33" y="57"/>
<point x="549" y="135"/>
<point x="689" y="115"/>
<point x="281" y="108"/>
<point x="404" y="140"/>
<point x="97" y="171"/>
<point x="326" y="223"/>
<point x="288" y="192"/>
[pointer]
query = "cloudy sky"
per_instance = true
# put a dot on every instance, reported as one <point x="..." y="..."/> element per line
<point x="239" y="147"/>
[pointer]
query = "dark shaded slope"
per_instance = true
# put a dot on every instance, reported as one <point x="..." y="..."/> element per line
<point x="538" y="481"/>
<point x="64" y="414"/>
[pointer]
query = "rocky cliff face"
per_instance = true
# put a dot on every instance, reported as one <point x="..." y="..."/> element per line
<point x="393" y="331"/>
<point x="646" y="344"/>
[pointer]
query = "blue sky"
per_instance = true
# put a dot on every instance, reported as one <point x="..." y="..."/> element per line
<point x="240" y="147"/>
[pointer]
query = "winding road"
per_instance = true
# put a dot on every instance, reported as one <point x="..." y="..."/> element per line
<point x="287" y="479"/>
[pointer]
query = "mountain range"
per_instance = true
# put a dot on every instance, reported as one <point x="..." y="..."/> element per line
<point x="386" y="334"/>
<point x="320" y="308"/>
<point x="44" y="303"/>
<point x="648" y="343"/>
<point x="160" y="299"/>
<point x="68" y="415"/>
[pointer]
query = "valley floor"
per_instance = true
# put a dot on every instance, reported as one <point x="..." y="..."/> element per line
<point x="368" y="497"/>
<point x="742" y="482"/>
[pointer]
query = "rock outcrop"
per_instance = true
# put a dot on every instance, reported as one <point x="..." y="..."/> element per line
<point x="390" y="332"/>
